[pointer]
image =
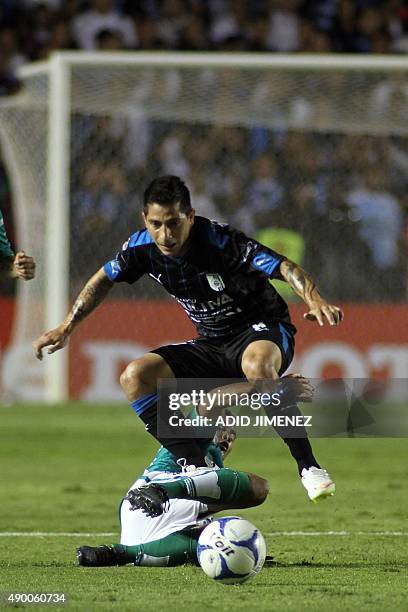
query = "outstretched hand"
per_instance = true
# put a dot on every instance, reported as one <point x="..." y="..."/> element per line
<point x="321" y="311"/>
<point x="298" y="388"/>
<point x="56" y="339"/>
<point x="23" y="266"/>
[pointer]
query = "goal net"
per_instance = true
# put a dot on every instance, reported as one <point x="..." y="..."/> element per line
<point x="301" y="152"/>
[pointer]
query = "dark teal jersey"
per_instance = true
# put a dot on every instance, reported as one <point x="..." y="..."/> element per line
<point x="5" y="247"/>
<point x="165" y="461"/>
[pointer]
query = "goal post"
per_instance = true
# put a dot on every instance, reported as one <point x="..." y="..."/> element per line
<point x="88" y="113"/>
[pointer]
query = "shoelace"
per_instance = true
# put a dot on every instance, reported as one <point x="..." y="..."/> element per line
<point x="182" y="462"/>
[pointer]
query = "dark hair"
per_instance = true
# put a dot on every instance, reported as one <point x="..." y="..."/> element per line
<point x="167" y="190"/>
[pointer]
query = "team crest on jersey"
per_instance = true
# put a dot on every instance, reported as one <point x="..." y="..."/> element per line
<point x="215" y="281"/>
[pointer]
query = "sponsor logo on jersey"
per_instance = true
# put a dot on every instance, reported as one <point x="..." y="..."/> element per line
<point x="115" y="267"/>
<point x="259" y="326"/>
<point x="215" y="281"/>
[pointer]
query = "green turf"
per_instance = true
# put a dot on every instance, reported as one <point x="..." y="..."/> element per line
<point x="64" y="469"/>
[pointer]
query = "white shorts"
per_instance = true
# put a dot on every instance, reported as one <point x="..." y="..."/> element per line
<point x="138" y="528"/>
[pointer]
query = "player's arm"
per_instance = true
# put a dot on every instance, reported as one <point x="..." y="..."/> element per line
<point x="244" y="252"/>
<point x="20" y="266"/>
<point x="304" y="287"/>
<point x="90" y="297"/>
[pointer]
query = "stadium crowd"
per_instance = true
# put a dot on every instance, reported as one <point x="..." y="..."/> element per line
<point x="343" y="192"/>
<point x="31" y="29"/>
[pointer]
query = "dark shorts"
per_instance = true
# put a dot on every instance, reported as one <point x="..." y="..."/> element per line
<point x="221" y="357"/>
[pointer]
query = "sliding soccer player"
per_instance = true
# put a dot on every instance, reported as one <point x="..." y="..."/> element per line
<point x="220" y="277"/>
<point x="170" y="538"/>
<point x="19" y="266"/>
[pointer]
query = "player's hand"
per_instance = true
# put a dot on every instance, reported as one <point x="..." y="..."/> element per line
<point x="299" y="388"/>
<point x="224" y="438"/>
<point x="56" y="339"/>
<point x="23" y="266"/>
<point x="321" y="311"/>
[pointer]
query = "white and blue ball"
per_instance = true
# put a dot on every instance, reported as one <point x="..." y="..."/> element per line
<point x="231" y="550"/>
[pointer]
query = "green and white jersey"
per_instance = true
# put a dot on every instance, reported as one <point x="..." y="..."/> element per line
<point x="165" y="461"/>
<point x="5" y="248"/>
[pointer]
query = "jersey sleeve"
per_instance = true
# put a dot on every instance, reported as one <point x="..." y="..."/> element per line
<point x="127" y="266"/>
<point x="246" y="253"/>
<point x="5" y="247"/>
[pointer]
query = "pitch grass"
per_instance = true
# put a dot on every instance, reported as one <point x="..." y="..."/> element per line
<point x="64" y="469"/>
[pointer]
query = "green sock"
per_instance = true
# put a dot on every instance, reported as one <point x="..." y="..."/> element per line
<point x="174" y="549"/>
<point x="221" y="486"/>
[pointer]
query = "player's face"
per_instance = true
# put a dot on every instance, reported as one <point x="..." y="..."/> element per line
<point x="169" y="228"/>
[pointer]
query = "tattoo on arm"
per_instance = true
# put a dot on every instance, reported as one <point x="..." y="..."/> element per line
<point x="300" y="281"/>
<point x="90" y="297"/>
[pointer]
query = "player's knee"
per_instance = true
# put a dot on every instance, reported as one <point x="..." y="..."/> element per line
<point x="259" y="489"/>
<point x="135" y="374"/>
<point x="259" y="366"/>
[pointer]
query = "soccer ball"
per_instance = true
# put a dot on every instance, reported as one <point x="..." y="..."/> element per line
<point x="231" y="550"/>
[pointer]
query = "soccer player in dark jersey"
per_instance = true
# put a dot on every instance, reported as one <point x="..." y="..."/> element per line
<point x="221" y="279"/>
<point x="13" y="266"/>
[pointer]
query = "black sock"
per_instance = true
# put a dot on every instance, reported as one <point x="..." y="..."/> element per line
<point x="302" y="452"/>
<point x="181" y="448"/>
<point x="299" y="446"/>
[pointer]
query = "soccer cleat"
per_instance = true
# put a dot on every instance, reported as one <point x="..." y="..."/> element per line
<point x="317" y="483"/>
<point x="101" y="556"/>
<point x="151" y="499"/>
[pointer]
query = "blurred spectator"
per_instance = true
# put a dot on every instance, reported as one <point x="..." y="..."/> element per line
<point x="40" y="29"/>
<point x="60" y="38"/>
<point x="390" y="98"/>
<point x="202" y="201"/>
<point x="379" y="216"/>
<point x="193" y="36"/>
<point x="148" y="34"/>
<point x="265" y="193"/>
<point x="102" y="16"/>
<point x="313" y="40"/>
<point x="8" y="82"/>
<point x="344" y="26"/>
<point x="99" y="136"/>
<point x="264" y="196"/>
<point x="302" y="165"/>
<point x="322" y="13"/>
<point x="284" y="25"/>
<point x="229" y="22"/>
<point x="257" y="33"/>
<point x="172" y="153"/>
<point x="53" y="5"/>
<point x="109" y="40"/>
<point x="10" y="49"/>
<point x="101" y="207"/>
<point x="397" y="15"/>
<point x="371" y="26"/>
<point x="173" y="19"/>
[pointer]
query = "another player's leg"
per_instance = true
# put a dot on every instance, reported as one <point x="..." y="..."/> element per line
<point x="262" y="360"/>
<point x="139" y="382"/>
<point x="174" y="549"/>
<point x="221" y="489"/>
